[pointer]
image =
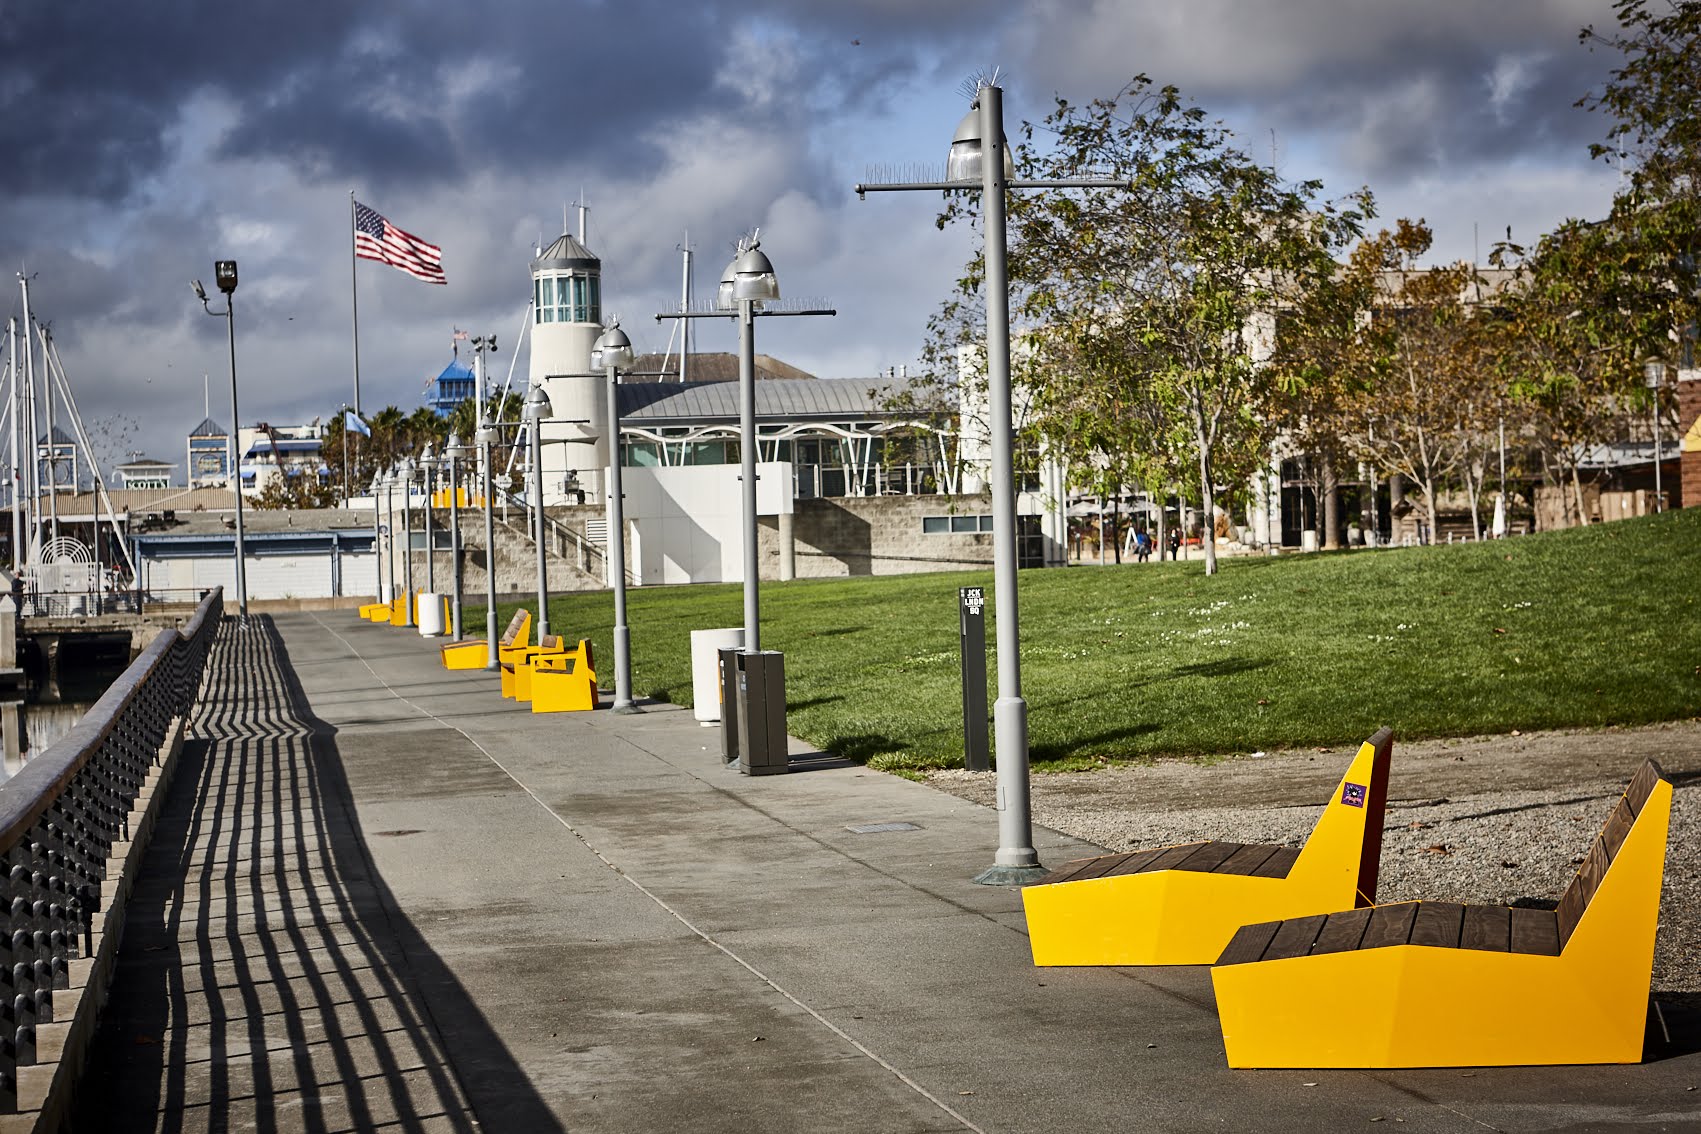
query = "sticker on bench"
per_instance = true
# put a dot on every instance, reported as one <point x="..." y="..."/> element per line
<point x="1353" y="794"/>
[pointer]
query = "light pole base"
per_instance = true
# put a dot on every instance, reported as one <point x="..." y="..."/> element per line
<point x="1010" y="875"/>
<point x="625" y="708"/>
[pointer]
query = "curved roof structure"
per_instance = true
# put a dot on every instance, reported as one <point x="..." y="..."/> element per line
<point x="565" y="253"/>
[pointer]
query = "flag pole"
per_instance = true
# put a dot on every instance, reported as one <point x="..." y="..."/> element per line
<point x="354" y="298"/>
<point x="354" y="308"/>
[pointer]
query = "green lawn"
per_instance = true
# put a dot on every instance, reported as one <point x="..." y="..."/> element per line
<point x="1588" y="627"/>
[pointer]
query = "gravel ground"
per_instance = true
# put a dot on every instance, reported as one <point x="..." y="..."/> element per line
<point x="1494" y="820"/>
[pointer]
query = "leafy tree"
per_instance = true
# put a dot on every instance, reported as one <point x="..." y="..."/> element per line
<point x="1330" y="354"/>
<point x="1587" y="307"/>
<point x="1162" y="293"/>
<point x="1418" y="413"/>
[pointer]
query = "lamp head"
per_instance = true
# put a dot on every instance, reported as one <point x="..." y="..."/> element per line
<point x="753" y="275"/>
<point x="224" y="274"/>
<point x="486" y="433"/>
<point x="724" y="299"/>
<point x="964" y="163"/>
<point x="1653" y="372"/>
<point x="613" y="348"/>
<point x="536" y="407"/>
<point x="200" y="292"/>
<point x="455" y="450"/>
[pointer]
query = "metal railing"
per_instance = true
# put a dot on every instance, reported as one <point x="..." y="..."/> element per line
<point x="592" y="558"/>
<point x="59" y="818"/>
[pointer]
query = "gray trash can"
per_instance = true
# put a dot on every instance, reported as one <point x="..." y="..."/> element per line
<point x="763" y="749"/>
<point x="726" y="658"/>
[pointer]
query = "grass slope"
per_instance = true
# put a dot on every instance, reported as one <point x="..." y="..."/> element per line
<point x="1587" y="627"/>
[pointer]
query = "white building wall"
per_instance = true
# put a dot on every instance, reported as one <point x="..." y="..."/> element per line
<point x="688" y="521"/>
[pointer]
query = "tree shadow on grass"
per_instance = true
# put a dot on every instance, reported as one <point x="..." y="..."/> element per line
<point x="861" y="749"/>
<point x="794" y="706"/>
<point x="1082" y="745"/>
<point x="1223" y="667"/>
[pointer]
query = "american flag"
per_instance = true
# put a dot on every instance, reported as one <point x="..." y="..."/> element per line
<point x="377" y="239"/>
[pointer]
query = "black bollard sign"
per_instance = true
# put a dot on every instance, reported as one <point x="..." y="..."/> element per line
<point x="971" y="611"/>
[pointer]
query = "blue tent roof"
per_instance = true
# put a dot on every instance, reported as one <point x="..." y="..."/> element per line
<point x="456" y="369"/>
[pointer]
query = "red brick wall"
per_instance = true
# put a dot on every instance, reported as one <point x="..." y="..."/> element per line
<point x="1688" y="410"/>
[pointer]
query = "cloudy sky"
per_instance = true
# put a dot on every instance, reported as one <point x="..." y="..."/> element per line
<point x="139" y="142"/>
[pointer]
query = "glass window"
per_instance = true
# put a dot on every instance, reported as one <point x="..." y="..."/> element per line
<point x="594" y="315"/>
<point x="641" y="454"/>
<point x="935" y="525"/>
<point x="965" y="523"/>
<point x="986" y="523"/>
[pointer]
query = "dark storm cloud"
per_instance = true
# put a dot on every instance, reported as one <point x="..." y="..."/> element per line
<point x="88" y="90"/>
<point x="402" y="91"/>
<point x="1403" y="88"/>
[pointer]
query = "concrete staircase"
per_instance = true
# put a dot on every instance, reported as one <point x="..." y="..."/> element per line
<point x="570" y="567"/>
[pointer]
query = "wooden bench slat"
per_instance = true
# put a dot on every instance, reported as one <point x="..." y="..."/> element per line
<point x="1248" y="943"/>
<point x="1105" y="864"/>
<point x="1247" y="859"/>
<point x="1278" y="864"/>
<point x="1488" y="928"/>
<point x="1617" y="827"/>
<point x="1389" y="925"/>
<point x="1642" y="785"/>
<point x="1535" y="931"/>
<point x="1134" y="863"/>
<point x="1376" y="806"/>
<point x="1208" y="857"/>
<point x="1437" y="924"/>
<point x="1168" y="858"/>
<point x="1067" y="871"/>
<point x="1295" y="937"/>
<point x="1582" y="888"/>
<point x="1342" y="932"/>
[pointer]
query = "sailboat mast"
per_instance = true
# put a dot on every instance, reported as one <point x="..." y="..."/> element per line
<point x="13" y="392"/>
<point x="685" y="305"/>
<point x="35" y="426"/>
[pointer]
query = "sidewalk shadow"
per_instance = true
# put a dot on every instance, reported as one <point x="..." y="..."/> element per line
<point x="268" y="979"/>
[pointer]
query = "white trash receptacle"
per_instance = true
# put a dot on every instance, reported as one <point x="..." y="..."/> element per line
<point x="429" y="614"/>
<point x="705" y="670"/>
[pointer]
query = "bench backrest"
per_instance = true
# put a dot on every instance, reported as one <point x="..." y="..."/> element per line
<point x="519" y="629"/>
<point x="551" y="642"/>
<point x="1581" y="891"/>
<point x="1351" y="824"/>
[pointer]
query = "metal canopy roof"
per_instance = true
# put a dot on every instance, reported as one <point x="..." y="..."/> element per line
<point x="674" y="403"/>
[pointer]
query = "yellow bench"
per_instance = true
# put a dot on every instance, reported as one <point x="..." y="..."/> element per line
<point x="1438" y="984"/>
<point x="376" y="612"/>
<point x="473" y="653"/>
<point x="564" y="683"/>
<point x="1180" y="905"/>
<point x="517" y="670"/>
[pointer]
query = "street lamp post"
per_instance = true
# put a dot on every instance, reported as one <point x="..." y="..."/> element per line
<point x="224" y="275"/>
<point x="485" y="437"/>
<point x="1654" y="373"/>
<point x="453" y="453"/>
<point x="390" y="530"/>
<point x="378" y="594"/>
<point x="980" y="158"/>
<point x="404" y="478"/>
<point x="428" y="466"/>
<point x="535" y="408"/>
<point x="746" y="287"/>
<point x="612" y="351"/>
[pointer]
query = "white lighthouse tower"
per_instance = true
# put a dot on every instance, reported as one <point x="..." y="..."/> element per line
<point x="566" y="320"/>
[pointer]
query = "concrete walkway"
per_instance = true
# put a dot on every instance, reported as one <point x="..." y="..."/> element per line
<point x="386" y="897"/>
